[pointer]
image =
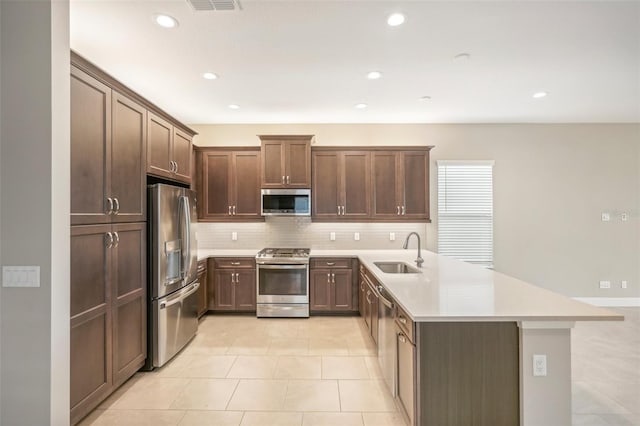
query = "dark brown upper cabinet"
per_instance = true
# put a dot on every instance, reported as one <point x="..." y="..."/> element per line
<point x="341" y="184"/>
<point x="400" y="184"/>
<point x="168" y="150"/>
<point x="286" y="161"/>
<point x="108" y="144"/>
<point x="228" y="184"/>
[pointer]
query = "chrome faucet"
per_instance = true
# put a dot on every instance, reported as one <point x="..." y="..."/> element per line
<point x="419" y="260"/>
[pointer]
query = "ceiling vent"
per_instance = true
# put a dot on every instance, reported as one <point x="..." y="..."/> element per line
<point x="214" y="5"/>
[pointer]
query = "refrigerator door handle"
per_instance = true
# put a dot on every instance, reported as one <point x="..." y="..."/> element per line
<point x="186" y="237"/>
<point x="179" y="298"/>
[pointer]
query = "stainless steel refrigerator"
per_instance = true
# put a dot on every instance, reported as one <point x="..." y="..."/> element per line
<point x="173" y="319"/>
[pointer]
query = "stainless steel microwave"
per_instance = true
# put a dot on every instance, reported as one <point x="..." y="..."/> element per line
<point x="286" y="202"/>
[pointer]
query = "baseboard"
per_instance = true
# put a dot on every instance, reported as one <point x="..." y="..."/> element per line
<point x="611" y="301"/>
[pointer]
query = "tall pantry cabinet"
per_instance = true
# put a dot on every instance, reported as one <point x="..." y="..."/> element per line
<point x="108" y="239"/>
<point x="114" y="143"/>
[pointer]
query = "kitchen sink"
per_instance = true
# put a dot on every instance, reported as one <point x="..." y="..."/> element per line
<point x="397" y="268"/>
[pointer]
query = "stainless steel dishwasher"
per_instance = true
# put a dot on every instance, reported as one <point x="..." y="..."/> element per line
<point x="387" y="340"/>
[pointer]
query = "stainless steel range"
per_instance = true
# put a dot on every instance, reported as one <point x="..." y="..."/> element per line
<point x="283" y="282"/>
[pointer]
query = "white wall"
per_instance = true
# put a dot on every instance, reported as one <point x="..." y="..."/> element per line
<point x="34" y="210"/>
<point x="551" y="184"/>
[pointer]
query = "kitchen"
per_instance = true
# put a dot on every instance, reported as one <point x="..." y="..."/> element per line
<point x="568" y="186"/>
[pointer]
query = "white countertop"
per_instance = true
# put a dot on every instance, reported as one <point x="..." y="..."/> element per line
<point x="451" y="290"/>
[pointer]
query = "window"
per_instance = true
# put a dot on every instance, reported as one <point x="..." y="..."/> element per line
<point x="465" y="211"/>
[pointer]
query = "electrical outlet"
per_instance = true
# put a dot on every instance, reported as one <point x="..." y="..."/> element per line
<point x="332" y="236"/>
<point x="606" y="217"/>
<point x="605" y="284"/>
<point x="392" y="236"/>
<point x="234" y="236"/>
<point x="624" y="217"/>
<point x="539" y="365"/>
<point x="623" y="284"/>
<point x="356" y="236"/>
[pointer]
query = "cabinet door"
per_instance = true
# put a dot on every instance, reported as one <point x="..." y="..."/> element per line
<point x="182" y="148"/>
<point x="273" y="170"/>
<point x="326" y="184"/>
<point x="385" y="185"/>
<point x="90" y="149"/>
<point x="415" y="184"/>
<point x="159" y="146"/>
<point x="128" y="159"/>
<point x="129" y="302"/>
<point x="298" y="164"/>
<point x="90" y="302"/>
<point x="245" y="290"/>
<point x="215" y="189"/>
<point x="373" y="314"/>
<point x="203" y="304"/>
<point x="356" y="184"/>
<point x="246" y="185"/>
<point x="223" y="293"/>
<point x="362" y="297"/>
<point x="406" y="355"/>
<point x="342" y="299"/>
<point x="320" y="290"/>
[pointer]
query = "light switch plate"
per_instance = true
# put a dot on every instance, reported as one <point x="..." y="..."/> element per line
<point x="20" y="276"/>
<point x="606" y="217"/>
<point x="539" y="365"/>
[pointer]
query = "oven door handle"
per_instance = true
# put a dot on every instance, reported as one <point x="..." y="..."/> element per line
<point x="261" y="266"/>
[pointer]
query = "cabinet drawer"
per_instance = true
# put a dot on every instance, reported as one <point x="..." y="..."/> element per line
<point x="342" y="262"/>
<point x="405" y="323"/>
<point x="235" y="262"/>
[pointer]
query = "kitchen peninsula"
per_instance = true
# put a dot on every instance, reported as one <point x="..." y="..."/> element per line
<point x="474" y="335"/>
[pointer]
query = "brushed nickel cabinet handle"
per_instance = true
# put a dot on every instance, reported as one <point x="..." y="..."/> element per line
<point x="234" y="210"/>
<point x="288" y="179"/>
<point x="108" y="239"/>
<point x="176" y="163"/>
<point x="398" y="210"/>
<point x="328" y="278"/>
<point x="403" y="210"/>
<point x="117" y="239"/>
<point x="343" y="210"/>
<point x="338" y="210"/>
<point x="331" y="263"/>
<point x="110" y="208"/>
<point x="117" y="205"/>
<point x="229" y="210"/>
<point x="333" y="278"/>
<point x="235" y="263"/>
<point x="237" y="278"/>
<point x="283" y="179"/>
<point x="233" y="276"/>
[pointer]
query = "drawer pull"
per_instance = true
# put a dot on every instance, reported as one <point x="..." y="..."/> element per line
<point x="235" y="263"/>
<point x="331" y="263"/>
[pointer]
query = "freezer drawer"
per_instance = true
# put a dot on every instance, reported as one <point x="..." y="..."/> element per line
<point x="175" y="322"/>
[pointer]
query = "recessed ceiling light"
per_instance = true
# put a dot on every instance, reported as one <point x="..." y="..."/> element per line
<point x="424" y="98"/>
<point x="374" y="75"/>
<point x="395" y="19"/>
<point x="361" y="106"/>
<point x="209" y="76"/>
<point x="234" y="106"/>
<point x="166" y="21"/>
<point x="539" y="95"/>
<point x="462" y="57"/>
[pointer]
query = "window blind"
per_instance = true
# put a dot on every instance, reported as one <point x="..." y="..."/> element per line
<point x="465" y="210"/>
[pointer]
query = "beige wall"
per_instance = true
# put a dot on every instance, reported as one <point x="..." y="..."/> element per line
<point x="551" y="184"/>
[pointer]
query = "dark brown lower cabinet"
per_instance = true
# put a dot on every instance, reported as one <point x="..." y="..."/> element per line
<point x="331" y="285"/>
<point x="203" y="303"/>
<point x="108" y="310"/>
<point x="234" y="289"/>
<point x="369" y="304"/>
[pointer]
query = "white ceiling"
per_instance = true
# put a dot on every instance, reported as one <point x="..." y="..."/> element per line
<point x="302" y="61"/>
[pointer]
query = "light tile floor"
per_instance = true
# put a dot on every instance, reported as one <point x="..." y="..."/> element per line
<point x="322" y="371"/>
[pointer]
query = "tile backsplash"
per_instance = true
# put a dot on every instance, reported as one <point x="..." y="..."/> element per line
<point x="301" y="232"/>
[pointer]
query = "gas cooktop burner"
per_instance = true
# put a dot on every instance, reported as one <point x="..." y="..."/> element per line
<point x="284" y="254"/>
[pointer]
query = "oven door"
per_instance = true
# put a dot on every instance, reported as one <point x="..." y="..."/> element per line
<point x="283" y="283"/>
